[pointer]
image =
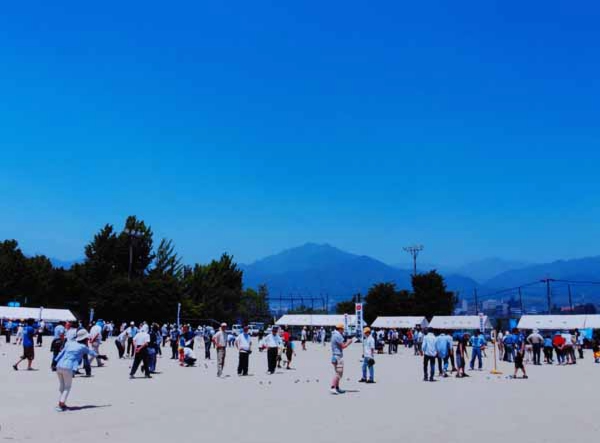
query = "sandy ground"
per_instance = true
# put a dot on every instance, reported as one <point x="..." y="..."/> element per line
<point x="191" y="404"/>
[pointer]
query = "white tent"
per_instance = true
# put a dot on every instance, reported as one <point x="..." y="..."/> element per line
<point x="552" y="322"/>
<point x="315" y="320"/>
<point x="592" y="321"/>
<point x="51" y="315"/>
<point x="456" y="322"/>
<point x="399" y="322"/>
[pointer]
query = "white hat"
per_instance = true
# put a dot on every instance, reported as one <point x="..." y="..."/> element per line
<point x="82" y="334"/>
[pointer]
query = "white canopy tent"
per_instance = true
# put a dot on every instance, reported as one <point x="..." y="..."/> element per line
<point x="592" y="321"/>
<point x="552" y="322"/>
<point x="456" y="322"/>
<point x="49" y="315"/>
<point x="399" y="322"/>
<point x="315" y="320"/>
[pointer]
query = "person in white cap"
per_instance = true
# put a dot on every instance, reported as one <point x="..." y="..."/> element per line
<point x="220" y="341"/>
<point x="67" y="362"/>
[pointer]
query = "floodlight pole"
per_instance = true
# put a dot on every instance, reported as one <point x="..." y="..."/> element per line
<point x="414" y="252"/>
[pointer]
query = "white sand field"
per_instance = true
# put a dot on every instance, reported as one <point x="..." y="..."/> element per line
<point x="191" y="404"/>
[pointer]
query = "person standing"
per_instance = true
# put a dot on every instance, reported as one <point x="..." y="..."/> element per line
<point x="418" y="337"/>
<point x="509" y="342"/>
<point x="140" y="348"/>
<point x="519" y="357"/>
<point x="67" y="362"/>
<point x="477" y="343"/>
<point x="56" y="346"/>
<point x="131" y="333"/>
<point x="28" y="333"/>
<point x="174" y="342"/>
<point x="272" y="342"/>
<point x="243" y="343"/>
<point x="95" y="340"/>
<point x="40" y="333"/>
<point x="443" y="352"/>
<point x="338" y="344"/>
<point x="429" y="355"/>
<point x="368" y="362"/>
<point x="207" y="342"/>
<point x="536" y="341"/>
<point x="303" y="337"/>
<point x="220" y="341"/>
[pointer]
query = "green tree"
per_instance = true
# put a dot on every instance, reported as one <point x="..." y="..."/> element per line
<point x="166" y="263"/>
<point x="431" y="296"/>
<point x="254" y="305"/>
<point x="13" y="271"/>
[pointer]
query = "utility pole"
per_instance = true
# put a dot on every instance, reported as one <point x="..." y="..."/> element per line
<point x="570" y="299"/>
<point x="548" y="293"/>
<point x="521" y="301"/>
<point x="414" y="252"/>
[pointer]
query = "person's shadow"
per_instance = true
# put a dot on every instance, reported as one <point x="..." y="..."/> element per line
<point x="84" y="407"/>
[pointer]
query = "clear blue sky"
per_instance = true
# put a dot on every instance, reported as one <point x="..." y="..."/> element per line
<point x="249" y="127"/>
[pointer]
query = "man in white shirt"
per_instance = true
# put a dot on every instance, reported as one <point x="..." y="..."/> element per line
<point x="368" y="357"/>
<point x="429" y="355"/>
<point x="95" y="341"/>
<point x="121" y="342"/>
<point x="272" y="342"/>
<point x="140" y="346"/>
<point x="220" y="341"/>
<point x="243" y="343"/>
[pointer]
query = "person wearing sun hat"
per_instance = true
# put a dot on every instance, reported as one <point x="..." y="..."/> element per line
<point x="338" y="344"/>
<point x="220" y="341"/>
<point x="67" y="362"/>
<point x="368" y="360"/>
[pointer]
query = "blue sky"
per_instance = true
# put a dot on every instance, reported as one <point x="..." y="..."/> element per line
<point x="250" y="127"/>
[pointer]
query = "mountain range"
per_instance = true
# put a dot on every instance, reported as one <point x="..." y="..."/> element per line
<point x="319" y="270"/>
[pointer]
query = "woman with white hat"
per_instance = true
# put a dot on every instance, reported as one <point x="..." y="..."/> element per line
<point x="67" y="362"/>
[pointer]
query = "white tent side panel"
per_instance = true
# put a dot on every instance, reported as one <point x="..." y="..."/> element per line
<point x="399" y="322"/>
<point x="552" y="322"/>
<point x="51" y="315"/>
<point x="592" y="321"/>
<point x="314" y="320"/>
<point x="456" y="322"/>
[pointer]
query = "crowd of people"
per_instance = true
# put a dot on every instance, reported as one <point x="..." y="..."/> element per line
<point x="74" y="348"/>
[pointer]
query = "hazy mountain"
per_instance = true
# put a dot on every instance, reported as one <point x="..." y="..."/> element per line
<point x="315" y="270"/>
<point x="483" y="270"/>
<point x="582" y="269"/>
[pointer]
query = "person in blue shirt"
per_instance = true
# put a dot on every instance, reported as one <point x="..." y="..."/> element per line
<point x="509" y="342"/>
<point x="548" y="348"/>
<point x="67" y="362"/>
<point x="28" y="352"/>
<point x="477" y="342"/>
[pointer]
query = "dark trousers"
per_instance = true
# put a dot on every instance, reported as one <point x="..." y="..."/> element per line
<point x="207" y="345"/>
<point x="120" y="348"/>
<point x="537" y="351"/>
<point x="428" y="361"/>
<point x="272" y="359"/>
<point x="39" y="339"/>
<point x="174" y="349"/>
<point x="188" y="361"/>
<point x="548" y="354"/>
<point x="141" y="357"/>
<point x="243" y="363"/>
<point x="580" y="349"/>
<point x="86" y="365"/>
<point x="130" y="347"/>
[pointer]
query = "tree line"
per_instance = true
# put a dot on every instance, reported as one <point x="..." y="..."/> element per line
<point x="429" y="297"/>
<point x="125" y="276"/>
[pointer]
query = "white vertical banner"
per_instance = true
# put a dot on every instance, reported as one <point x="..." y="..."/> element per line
<point x="41" y="313"/>
<point x="345" y="323"/>
<point x="481" y="323"/>
<point x="178" y="313"/>
<point x="91" y="315"/>
<point x="358" y="309"/>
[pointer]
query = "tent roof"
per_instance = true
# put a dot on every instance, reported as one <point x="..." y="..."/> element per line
<point x="47" y="314"/>
<point x="315" y="320"/>
<point x="399" y="322"/>
<point x="551" y="322"/>
<point x="459" y="322"/>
